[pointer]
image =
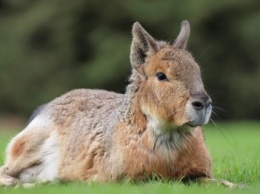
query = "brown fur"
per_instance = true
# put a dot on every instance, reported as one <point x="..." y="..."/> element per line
<point x="18" y="147"/>
<point x="96" y="135"/>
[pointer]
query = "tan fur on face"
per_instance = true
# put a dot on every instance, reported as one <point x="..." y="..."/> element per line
<point x="166" y="100"/>
<point x="96" y="135"/>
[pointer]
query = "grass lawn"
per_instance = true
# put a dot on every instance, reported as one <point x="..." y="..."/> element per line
<point x="235" y="150"/>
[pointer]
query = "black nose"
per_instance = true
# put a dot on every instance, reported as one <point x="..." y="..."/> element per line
<point x="201" y="101"/>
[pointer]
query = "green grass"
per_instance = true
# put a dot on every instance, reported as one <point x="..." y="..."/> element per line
<point x="235" y="150"/>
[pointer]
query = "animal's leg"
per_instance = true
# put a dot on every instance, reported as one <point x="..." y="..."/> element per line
<point x="5" y="179"/>
<point x="16" y="166"/>
<point x="25" y="178"/>
<point x="23" y="153"/>
<point x="205" y="180"/>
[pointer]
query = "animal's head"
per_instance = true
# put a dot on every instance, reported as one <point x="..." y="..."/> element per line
<point x="171" y="91"/>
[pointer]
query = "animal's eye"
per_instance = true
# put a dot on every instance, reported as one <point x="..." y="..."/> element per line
<point x="161" y="76"/>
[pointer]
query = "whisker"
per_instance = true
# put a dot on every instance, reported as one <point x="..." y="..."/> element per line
<point x="214" y="123"/>
<point x="174" y="112"/>
<point x="222" y="132"/>
<point x="214" y="113"/>
<point x="218" y="108"/>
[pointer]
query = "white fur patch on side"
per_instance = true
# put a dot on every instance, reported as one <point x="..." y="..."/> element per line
<point x="47" y="170"/>
<point x="50" y="159"/>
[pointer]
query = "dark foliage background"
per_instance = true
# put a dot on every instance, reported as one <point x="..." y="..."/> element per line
<point x="48" y="47"/>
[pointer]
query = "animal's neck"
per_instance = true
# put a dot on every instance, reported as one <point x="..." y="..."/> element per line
<point x="130" y="111"/>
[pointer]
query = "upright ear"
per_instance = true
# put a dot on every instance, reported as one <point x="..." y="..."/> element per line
<point x="143" y="45"/>
<point x="182" y="39"/>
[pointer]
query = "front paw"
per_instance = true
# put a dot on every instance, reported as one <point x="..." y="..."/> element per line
<point x="6" y="180"/>
<point x="233" y="185"/>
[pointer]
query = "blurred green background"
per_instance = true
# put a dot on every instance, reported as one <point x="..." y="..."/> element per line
<point x="48" y="47"/>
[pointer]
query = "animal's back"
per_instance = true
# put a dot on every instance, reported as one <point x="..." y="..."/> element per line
<point x="83" y="107"/>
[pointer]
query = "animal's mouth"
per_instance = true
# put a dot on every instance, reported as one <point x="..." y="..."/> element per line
<point x="192" y="124"/>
